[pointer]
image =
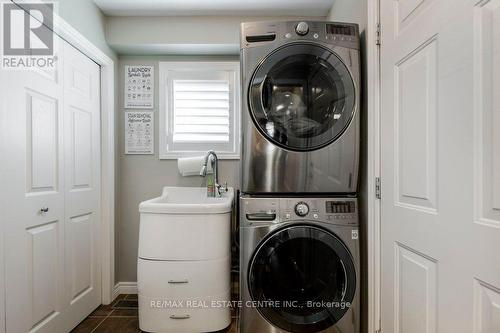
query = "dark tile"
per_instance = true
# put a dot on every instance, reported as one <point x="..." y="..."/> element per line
<point x="119" y="298"/>
<point x="119" y="325"/>
<point x="230" y="329"/>
<point x="125" y="313"/>
<point x="121" y="316"/>
<point x="87" y="325"/>
<point x="126" y="304"/>
<point x="104" y="310"/>
<point x="235" y="313"/>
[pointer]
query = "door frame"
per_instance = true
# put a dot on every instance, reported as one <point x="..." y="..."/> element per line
<point x="107" y="168"/>
<point x="372" y="77"/>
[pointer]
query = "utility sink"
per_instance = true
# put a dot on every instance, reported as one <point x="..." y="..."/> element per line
<point x="184" y="254"/>
<point x="188" y="200"/>
<point x="184" y="224"/>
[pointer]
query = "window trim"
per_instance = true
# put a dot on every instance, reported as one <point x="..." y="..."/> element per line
<point x="164" y="68"/>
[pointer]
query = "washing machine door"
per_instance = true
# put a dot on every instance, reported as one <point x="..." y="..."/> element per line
<point x="302" y="97"/>
<point x="302" y="279"/>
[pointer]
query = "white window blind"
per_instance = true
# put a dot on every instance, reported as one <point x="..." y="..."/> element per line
<point x="199" y="109"/>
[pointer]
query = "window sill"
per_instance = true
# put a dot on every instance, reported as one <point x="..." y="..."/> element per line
<point x="175" y="156"/>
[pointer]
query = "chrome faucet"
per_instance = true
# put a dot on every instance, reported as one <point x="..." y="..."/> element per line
<point x="219" y="190"/>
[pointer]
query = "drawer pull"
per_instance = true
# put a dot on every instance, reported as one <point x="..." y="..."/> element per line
<point x="178" y="281"/>
<point x="180" y="316"/>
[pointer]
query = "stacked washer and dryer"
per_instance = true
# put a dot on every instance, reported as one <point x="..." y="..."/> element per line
<point x="299" y="247"/>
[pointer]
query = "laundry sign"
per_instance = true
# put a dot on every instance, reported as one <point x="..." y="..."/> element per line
<point x="139" y="87"/>
<point x="139" y="132"/>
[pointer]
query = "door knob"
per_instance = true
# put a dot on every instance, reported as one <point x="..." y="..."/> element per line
<point x="44" y="209"/>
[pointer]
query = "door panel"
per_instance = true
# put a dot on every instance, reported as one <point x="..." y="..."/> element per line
<point x="415" y="292"/>
<point x="415" y="129"/>
<point x="42" y="271"/>
<point x="80" y="241"/>
<point x="42" y="131"/>
<point x="408" y="11"/>
<point x="82" y="147"/>
<point x="487" y="308"/>
<point x="439" y="145"/>
<point x="34" y="253"/>
<point x="52" y="185"/>
<point x="487" y="42"/>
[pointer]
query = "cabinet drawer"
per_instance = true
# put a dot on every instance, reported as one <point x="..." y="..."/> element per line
<point x="183" y="279"/>
<point x="158" y="316"/>
<point x="184" y="236"/>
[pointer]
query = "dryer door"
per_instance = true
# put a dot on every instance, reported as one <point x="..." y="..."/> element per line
<point x="302" y="278"/>
<point x="302" y="97"/>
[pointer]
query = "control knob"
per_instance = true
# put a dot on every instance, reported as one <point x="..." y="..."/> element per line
<point x="301" y="209"/>
<point x="302" y="29"/>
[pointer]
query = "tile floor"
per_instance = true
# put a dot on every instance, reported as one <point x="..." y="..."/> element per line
<point x="121" y="316"/>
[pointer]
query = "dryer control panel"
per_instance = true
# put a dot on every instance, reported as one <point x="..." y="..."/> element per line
<point x="259" y="33"/>
<point x="271" y="210"/>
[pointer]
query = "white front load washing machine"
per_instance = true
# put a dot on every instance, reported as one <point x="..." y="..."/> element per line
<point x="300" y="262"/>
<point x="300" y="107"/>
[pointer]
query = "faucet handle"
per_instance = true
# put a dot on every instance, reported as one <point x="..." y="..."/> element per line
<point x="222" y="189"/>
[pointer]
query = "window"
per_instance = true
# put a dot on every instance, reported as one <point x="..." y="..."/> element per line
<point x="199" y="109"/>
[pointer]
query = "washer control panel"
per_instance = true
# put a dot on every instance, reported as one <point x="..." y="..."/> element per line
<point x="302" y="28"/>
<point x="256" y="210"/>
<point x="334" y="210"/>
<point x="301" y="209"/>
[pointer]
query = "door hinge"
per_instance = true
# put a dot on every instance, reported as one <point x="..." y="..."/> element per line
<point x="378" y="193"/>
<point x="378" y="34"/>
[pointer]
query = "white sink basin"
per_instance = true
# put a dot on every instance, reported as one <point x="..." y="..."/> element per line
<point x="188" y="200"/>
<point x="183" y="224"/>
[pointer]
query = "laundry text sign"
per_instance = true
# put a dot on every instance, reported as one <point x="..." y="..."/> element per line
<point x="139" y="87"/>
<point x="139" y="132"/>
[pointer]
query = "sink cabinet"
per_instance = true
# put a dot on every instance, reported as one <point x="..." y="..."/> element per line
<point x="184" y="260"/>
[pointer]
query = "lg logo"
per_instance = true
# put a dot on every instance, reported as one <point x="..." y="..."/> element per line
<point x="27" y="31"/>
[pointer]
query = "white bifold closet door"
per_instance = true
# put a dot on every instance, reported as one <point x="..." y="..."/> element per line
<point x="52" y="164"/>
<point x="440" y="162"/>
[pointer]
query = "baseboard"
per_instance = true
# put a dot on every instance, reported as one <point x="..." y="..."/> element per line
<point x="124" y="288"/>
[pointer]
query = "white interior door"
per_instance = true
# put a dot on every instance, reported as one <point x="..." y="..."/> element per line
<point x="34" y="225"/>
<point x="51" y="164"/>
<point x="440" y="166"/>
<point x="82" y="183"/>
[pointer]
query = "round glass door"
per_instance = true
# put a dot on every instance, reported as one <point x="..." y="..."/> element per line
<point x="302" y="97"/>
<point x="302" y="279"/>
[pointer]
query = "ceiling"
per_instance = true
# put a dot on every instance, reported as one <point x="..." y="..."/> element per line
<point x="215" y="7"/>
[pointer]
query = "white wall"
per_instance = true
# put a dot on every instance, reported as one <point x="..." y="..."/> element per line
<point x="180" y="35"/>
<point x="87" y="18"/>
<point x="352" y="11"/>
